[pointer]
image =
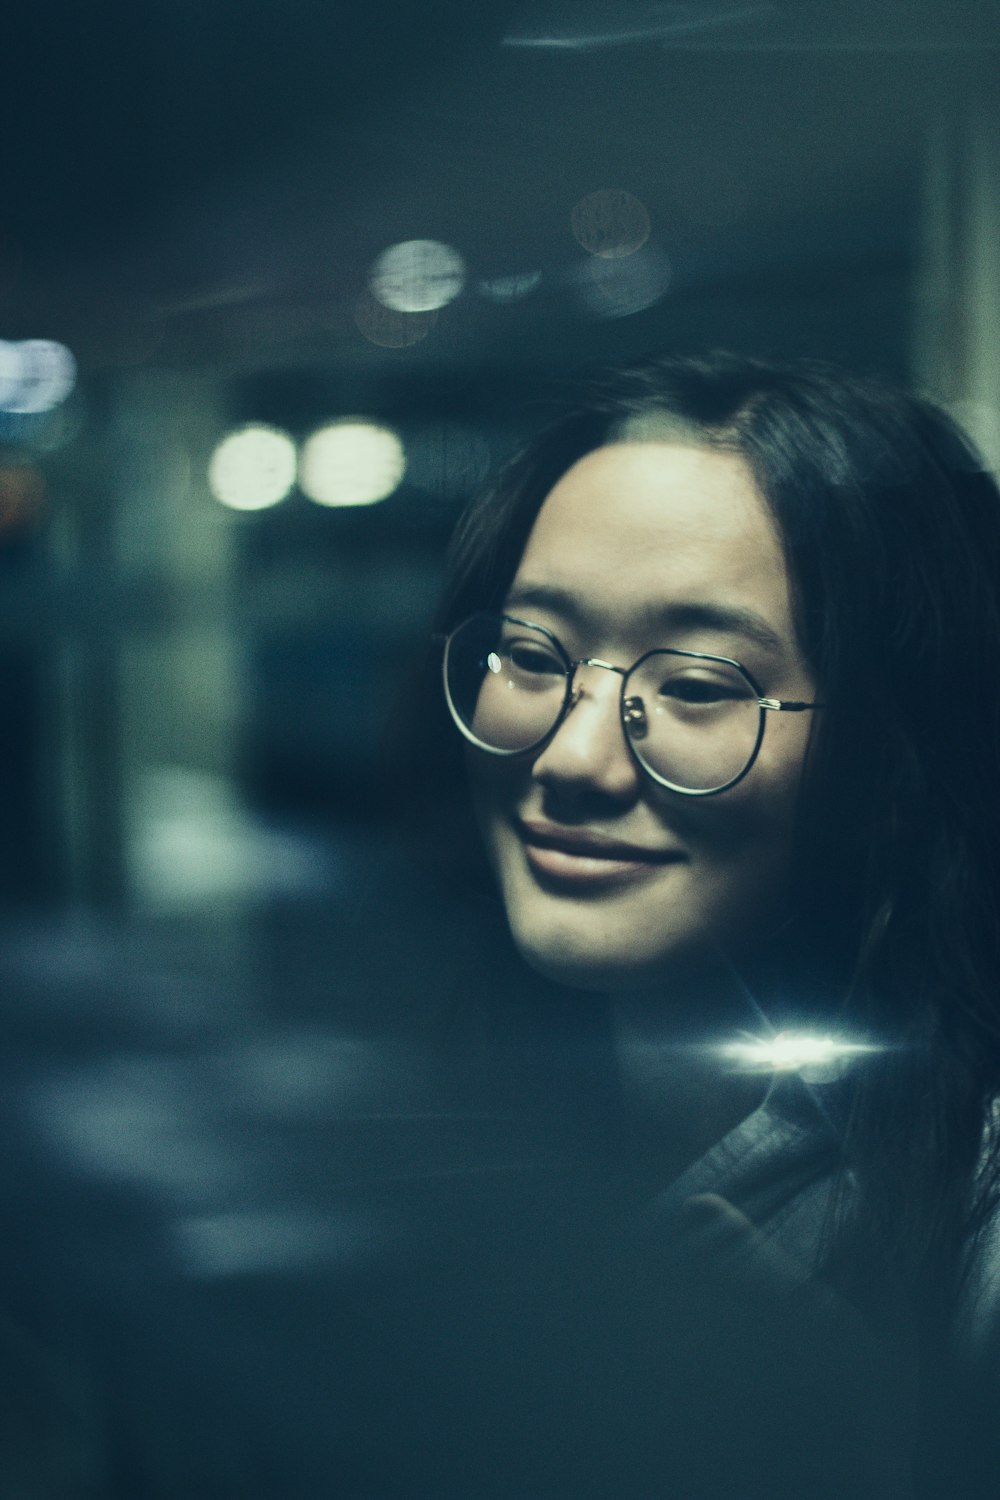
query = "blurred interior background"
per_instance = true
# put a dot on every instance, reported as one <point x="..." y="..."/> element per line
<point x="366" y="240"/>
<point x="278" y="284"/>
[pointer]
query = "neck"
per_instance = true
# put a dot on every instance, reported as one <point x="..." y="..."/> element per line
<point x="681" y="1095"/>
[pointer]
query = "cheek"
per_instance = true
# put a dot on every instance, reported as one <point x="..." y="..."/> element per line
<point x="741" y="822"/>
<point x="740" y="846"/>
<point x="496" y="786"/>
<point x="490" y="718"/>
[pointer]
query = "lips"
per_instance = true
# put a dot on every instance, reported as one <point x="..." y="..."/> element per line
<point x="585" y="857"/>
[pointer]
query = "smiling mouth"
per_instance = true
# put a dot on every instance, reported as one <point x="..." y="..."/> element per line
<point x="580" y="858"/>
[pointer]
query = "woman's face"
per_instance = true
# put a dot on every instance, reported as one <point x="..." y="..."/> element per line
<point x="609" y="879"/>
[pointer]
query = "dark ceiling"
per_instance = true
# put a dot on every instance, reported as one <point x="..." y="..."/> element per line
<point x="214" y="179"/>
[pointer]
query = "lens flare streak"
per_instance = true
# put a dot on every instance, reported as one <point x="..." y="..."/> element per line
<point x="793" y="1052"/>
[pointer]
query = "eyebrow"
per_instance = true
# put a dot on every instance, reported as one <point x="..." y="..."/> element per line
<point x="684" y="615"/>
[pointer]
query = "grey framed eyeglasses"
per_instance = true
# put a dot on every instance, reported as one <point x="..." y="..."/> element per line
<point x="693" y="722"/>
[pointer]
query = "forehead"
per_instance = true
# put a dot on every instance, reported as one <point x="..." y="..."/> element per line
<point x="637" y="527"/>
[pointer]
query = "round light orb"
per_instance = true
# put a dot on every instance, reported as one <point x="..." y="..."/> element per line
<point x="36" y="375"/>
<point x="253" y="468"/>
<point x="387" y="328"/>
<point x="610" y="223"/>
<point x="351" y="462"/>
<point x="417" y="276"/>
<point x="618" y="288"/>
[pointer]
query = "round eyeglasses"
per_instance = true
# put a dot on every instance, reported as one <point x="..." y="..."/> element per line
<point x="694" y="722"/>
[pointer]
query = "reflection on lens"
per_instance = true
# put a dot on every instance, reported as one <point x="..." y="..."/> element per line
<point x="506" y="683"/>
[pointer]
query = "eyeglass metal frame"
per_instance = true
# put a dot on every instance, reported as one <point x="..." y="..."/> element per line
<point x="628" y="707"/>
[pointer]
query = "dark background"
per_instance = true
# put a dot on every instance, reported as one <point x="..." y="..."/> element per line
<point x="199" y="805"/>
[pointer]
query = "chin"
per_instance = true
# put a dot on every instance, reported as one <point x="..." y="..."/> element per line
<point x="592" y="961"/>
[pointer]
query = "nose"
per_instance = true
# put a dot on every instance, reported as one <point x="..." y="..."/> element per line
<point x="588" y="752"/>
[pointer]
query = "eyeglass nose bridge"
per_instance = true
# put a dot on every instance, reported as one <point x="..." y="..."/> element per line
<point x="633" y="710"/>
<point x="575" y="690"/>
<point x="593" y="661"/>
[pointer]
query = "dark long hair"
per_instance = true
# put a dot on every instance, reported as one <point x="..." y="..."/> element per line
<point x="891" y="531"/>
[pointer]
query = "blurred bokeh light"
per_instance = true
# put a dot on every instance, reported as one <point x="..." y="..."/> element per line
<point x="417" y="276"/>
<point x="610" y="223"/>
<point x="616" y="288"/>
<point x="35" y="375"/>
<point x="253" y="468"/>
<point x="227" y="921"/>
<point x="389" y="329"/>
<point x="351" y="462"/>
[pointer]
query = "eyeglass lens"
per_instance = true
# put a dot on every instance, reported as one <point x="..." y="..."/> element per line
<point x="692" y="721"/>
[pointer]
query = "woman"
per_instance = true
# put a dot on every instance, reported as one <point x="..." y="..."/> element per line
<point x="724" y="648"/>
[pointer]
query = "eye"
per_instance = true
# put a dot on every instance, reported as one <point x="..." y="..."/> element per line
<point x="696" y="691"/>
<point x="533" y="659"/>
